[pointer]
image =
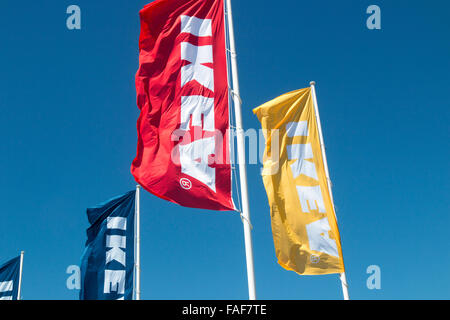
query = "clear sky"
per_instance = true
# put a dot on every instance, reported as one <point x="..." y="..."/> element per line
<point x="68" y="136"/>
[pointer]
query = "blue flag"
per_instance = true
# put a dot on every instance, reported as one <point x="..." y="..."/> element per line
<point x="107" y="264"/>
<point x="9" y="279"/>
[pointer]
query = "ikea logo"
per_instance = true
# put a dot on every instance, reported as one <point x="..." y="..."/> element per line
<point x="116" y="245"/>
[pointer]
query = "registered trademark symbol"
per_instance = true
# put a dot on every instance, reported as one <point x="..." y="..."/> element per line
<point x="185" y="183"/>
<point x="314" y="258"/>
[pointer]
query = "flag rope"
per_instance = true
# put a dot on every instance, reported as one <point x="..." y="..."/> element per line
<point x="230" y="118"/>
<point x="245" y="218"/>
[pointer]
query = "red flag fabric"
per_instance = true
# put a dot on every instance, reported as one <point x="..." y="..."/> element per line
<point x="182" y="91"/>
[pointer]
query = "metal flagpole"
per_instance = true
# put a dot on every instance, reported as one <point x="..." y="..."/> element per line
<point x="241" y="157"/>
<point x="138" y="245"/>
<point x="324" y="157"/>
<point x="19" y="290"/>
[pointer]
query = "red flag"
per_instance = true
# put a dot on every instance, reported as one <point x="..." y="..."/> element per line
<point x="182" y="92"/>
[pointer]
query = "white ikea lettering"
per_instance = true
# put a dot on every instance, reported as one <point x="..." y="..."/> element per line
<point x="194" y="155"/>
<point x="197" y="106"/>
<point x="318" y="237"/>
<point x="195" y="70"/>
<point x="194" y="161"/>
<point x="114" y="281"/>
<point x="301" y="152"/>
<point x="116" y="253"/>
<point x="297" y="129"/>
<point x="6" y="286"/>
<point x="311" y="198"/>
<point x="197" y="27"/>
<point x="116" y="223"/>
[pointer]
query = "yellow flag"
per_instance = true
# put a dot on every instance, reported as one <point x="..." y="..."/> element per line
<point x="304" y="226"/>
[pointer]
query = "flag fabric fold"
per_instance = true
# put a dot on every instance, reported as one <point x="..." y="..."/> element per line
<point x="304" y="226"/>
<point x="107" y="264"/>
<point x="9" y="279"/>
<point x="182" y="92"/>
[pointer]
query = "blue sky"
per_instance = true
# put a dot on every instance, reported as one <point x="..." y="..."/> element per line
<point x="68" y="136"/>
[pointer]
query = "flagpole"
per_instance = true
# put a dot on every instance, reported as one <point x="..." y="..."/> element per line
<point x="138" y="245"/>
<point x="241" y="157"/>
<point x="19" y="290"/>
<point x="324" y="157"/>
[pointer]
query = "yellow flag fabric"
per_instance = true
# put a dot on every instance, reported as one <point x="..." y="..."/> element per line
<point x="304" y="227"/>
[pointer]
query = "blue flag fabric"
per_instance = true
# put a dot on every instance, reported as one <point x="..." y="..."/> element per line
<point x="107" y="264"/>
<point x="9" y="279"/>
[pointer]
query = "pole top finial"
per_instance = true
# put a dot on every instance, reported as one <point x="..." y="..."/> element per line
<point x="312" y="83"/>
